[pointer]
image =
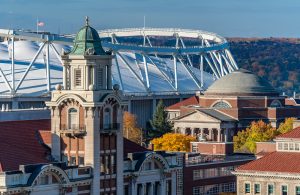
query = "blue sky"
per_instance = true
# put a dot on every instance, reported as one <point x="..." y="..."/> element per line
<point x="242" y="18"/>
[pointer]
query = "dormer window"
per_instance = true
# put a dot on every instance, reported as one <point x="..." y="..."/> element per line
<point x="77" y="77"/>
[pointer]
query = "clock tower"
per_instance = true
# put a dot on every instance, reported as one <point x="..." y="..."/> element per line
<point x="86" y="114"/>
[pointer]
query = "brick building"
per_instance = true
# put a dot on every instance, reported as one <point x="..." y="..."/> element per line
<point x="84" y="153"/>
<point x="230" y="104"/>
<point x="275" y="172"/>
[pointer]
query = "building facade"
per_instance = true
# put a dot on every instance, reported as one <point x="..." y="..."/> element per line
<point x="276" y="172"/>
<point x="85" y="153"/>
<point x="229" y="105"/>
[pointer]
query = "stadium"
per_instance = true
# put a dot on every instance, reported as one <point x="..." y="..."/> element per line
<point x="149" y="64"/>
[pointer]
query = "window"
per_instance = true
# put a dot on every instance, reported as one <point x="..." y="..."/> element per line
<point x="107" y="118"/>
<point x="291" y="146"/>
<point x="247" y="188"/>
<point x="284" y="190"/>
<point x="270" y="189"/>
<point x="257" y="188"/>
<point x="80" y="160"/>
<point x="197" y="174"/>
<point x="199" y="190"/>
<point x="72" y="160"/>
<point x="279" y="146"/>
<point x="100" y="78"/>
<point x="297" y="146"/>
<point x="73" y="118"/>
<point x="221" y="104"/>
<point x="77" y="79"/>
<point x="211" y="172"/>
<point x="44" y="180"/>
<point x="275" y="104"/>
<point x="297" y="190"/>
<point x="286" y="146"/>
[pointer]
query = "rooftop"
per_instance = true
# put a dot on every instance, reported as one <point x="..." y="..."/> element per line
<point x="241" y="83"/>
<point x="294" y="134"/>
<point x="279" y="162"/>
<point x="189" y="101"/>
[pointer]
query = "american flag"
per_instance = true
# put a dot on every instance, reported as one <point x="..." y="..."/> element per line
<point x="39" y="23"/>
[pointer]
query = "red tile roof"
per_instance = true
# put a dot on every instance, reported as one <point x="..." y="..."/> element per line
<point x="279" y="162"/>
<point x="19" y="143"/>
<point x="190" y="101"/>
<point x="295" y="133"/>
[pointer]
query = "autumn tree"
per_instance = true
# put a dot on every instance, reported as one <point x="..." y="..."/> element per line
<point x="258" y="131"/>
<point x="245" y="140"/>
<point x="286" y="126"/>
<point x="173" y="142"/>
<point x="160" y="124"/>
<point x="130" y="129"/>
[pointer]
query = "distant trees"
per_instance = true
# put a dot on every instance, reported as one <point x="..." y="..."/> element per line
<point x="130" y="129"/>
<point x="259" y="131"/>
<point x="173" y="142"/>
<point x="160" y="124"/>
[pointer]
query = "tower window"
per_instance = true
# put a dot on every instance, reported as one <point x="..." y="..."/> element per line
<point x="221" y="104"/>
<point x="107" y="118"/>
<point x="77" y="77"/>
<point x="73" y="118"/>
<point x="100" y="78"/>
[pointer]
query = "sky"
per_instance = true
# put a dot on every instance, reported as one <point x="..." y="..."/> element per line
<point x="229" y="18"/>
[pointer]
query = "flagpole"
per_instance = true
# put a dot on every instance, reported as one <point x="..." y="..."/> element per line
<point x="37" y="25"/>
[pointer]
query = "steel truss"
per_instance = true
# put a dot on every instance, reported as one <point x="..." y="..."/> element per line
<point x="213" y="51"/>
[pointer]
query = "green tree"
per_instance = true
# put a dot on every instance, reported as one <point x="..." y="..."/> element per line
<point x="160" y="124"/>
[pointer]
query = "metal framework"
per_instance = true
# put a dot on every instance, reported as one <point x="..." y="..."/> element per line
<point x="212" y="50"/>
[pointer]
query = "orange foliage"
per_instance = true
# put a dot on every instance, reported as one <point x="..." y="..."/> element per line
<point x="130" y="129"/>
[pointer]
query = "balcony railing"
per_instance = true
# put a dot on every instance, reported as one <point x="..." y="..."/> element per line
<point x="73" y="130"/>
<point x="111" y="126"/>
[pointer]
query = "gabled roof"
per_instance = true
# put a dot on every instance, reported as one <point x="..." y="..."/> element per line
<point x="19" y="143"/>
<point x="216" y="114"/>
<point x="210" y="112"/>
<point x="293" y="134"/>
<point x="279" y="162"/>
<point x="187" y="102"/>
<point x="132" y="147"/>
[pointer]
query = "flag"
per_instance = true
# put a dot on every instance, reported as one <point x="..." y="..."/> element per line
<point x="39" y="23"/>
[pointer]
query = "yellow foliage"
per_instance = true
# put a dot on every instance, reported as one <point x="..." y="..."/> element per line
<point x="259" y="131"/>
<point x="173" y="142"/>
<point x="130" y="129"/>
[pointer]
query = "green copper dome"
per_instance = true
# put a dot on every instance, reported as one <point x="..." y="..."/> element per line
<point x="87" y="42"/>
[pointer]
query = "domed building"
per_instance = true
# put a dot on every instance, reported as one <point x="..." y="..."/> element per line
<point x="230" y="104"/>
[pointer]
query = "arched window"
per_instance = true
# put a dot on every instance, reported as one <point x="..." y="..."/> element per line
<point x="107" y="118"/>
<point x="73" y="118"/>
<point x="221" y="104"/>
<point x="276" y="104"/>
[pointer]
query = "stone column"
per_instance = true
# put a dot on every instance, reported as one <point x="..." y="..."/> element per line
<point x="55" y="134"/>
<point x="92" y="146"/>
<point x="133" y="188"/>
<point x="202" y="133"/>
<point x="219" y="135"/>
<point x="210" y="134"/>
<point x="119" y="160"/>
<point x="192" y="131"/>
<point x="226" y="135"/>
<point x="162" y="187"/>
<point x="173" y="183"/>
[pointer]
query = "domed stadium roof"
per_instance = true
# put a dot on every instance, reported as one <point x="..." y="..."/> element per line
<point x="241" y="82"/>
<point x="87" y="40"/>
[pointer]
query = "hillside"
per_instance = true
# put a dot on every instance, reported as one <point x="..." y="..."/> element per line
<point x="276" y="59"/>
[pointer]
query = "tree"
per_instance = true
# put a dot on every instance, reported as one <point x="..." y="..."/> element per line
<point x="286" y="126"/>
<point x="245" y="141"/>
<point x="130" y="129"/>
<point x="258" y="131"/>
<point x="160" y="124"/>
<point x="173" y="142"/>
